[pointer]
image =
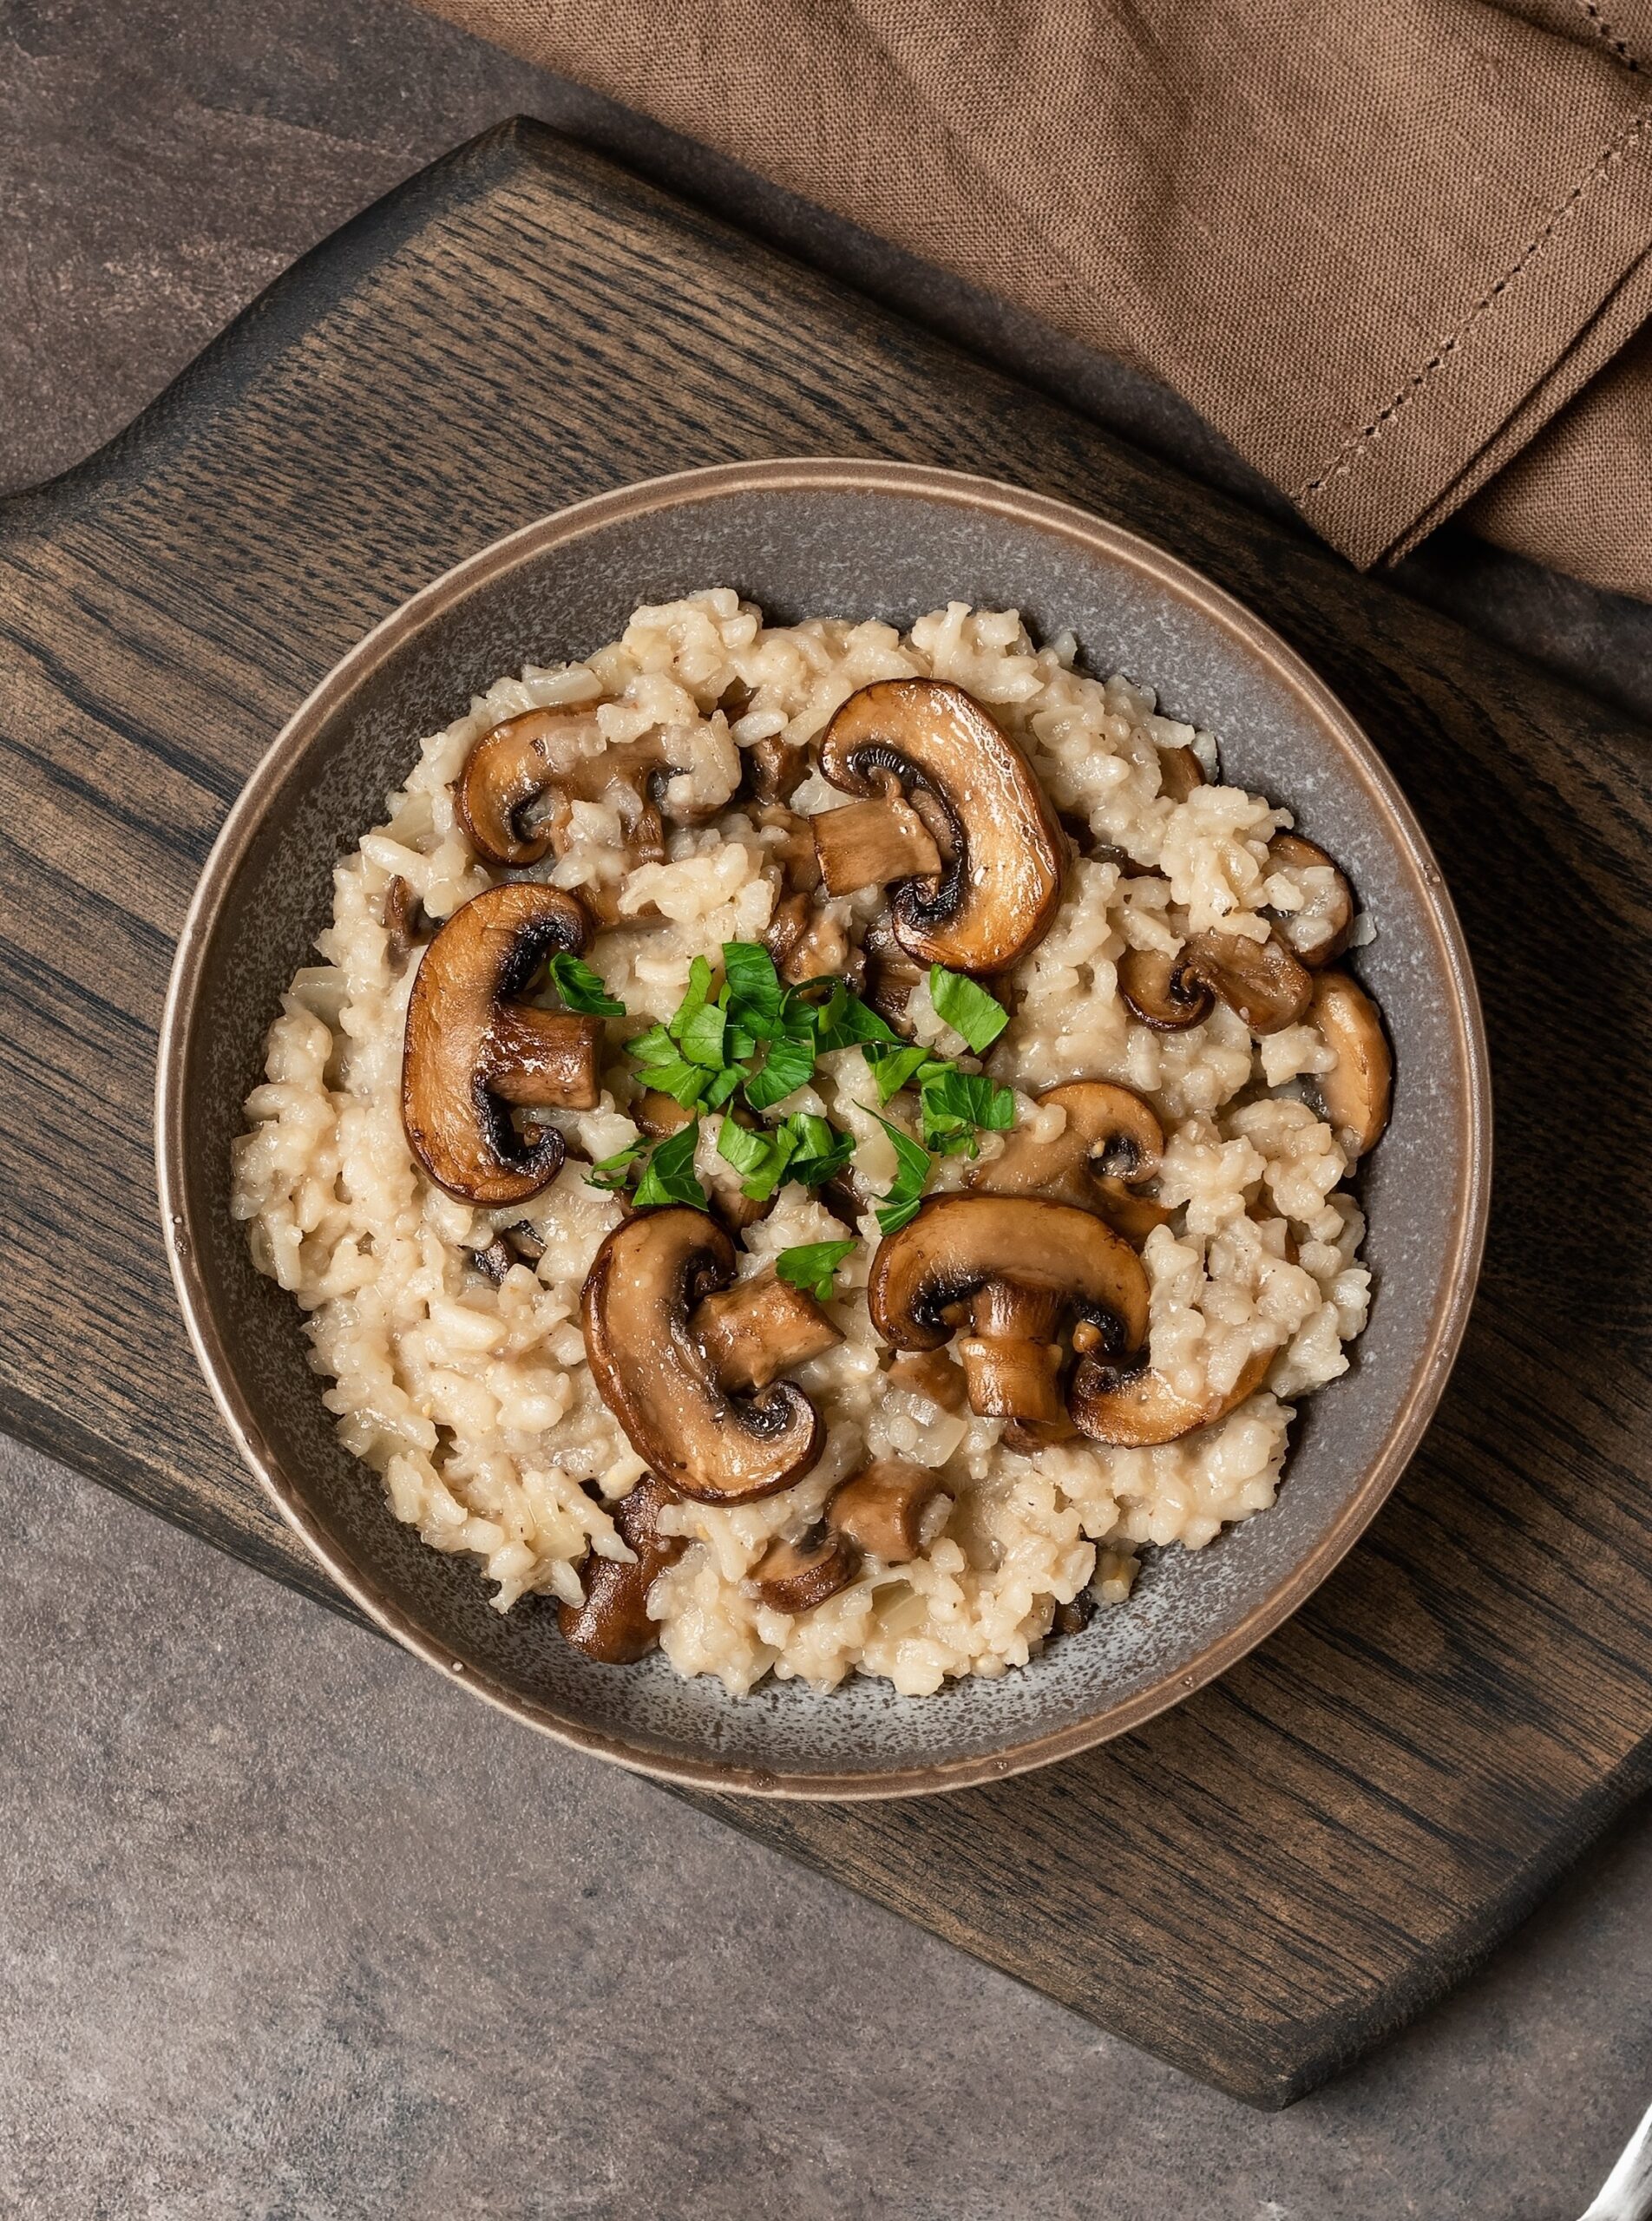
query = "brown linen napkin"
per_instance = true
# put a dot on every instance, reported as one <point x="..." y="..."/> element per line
<point x="1390" y="252"/>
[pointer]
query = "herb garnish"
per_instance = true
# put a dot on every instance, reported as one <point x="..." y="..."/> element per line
<point x="812" y="1266"/>
<point x="580" y="988"/>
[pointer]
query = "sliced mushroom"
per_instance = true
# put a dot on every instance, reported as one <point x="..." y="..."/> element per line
<point x="775" y="768"/>
<point x="494" y="1261"/>
<point x="931" y="1373"/>
<point x="613" y="1624"/>
<point x="531" y="761"/>
<point x="641" y="1313"/>
<point x="405" y="924"/>
<point x="1357" y="1093"/>
<point x="882" y="1508"/>
<point x="657" y="1115"/>
<point x="1109" y="1149"/>
<point x="1074" y="1618"/>
<point x="472" y="1052"/>
<point x="1009" y="1267"/>
<point x="1261" y="979"/>
<point x="996" y="884"/>
<point x="1138" y="1409"/>
<point x="1162" y="992"/>
<point x="760" y="1327"/>
<point x="1179" y="772"/>
<point x="1318" y="932"/>
<point x="890" y="974"/>
<point x="796" y="1576"/>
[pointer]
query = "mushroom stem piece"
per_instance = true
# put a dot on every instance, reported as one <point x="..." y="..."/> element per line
<point x="1319" y="932"/>
<point x="656" y="1375"/>
<point x="1137" y="1410"/>
<point x="872" y="844"/>
<point x="1012" y="1265"/>
<point x="612" y="1625"/>
<point x="759" y="1328"/>
<point x="882" y="1508"/>
<point x="1358" y="1093"/>
<point x="998" y="884"/>
<point x="470" y="1051"/>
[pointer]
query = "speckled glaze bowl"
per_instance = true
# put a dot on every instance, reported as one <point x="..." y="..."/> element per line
<point x="805" y="539"/>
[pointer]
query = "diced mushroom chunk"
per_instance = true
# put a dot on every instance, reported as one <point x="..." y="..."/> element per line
<point x="471" y="1053"/>
<point x="1009" y="1269"/>
<point x="883" y="1508"/>
<point x="1138" y="1409"/>
<point x="405" y="924"/>
<point x="931" y="1373"/>
<point x="796" y="1576"/>
<point x="1357" y="1093"/>
<point x="939" y="778"/>
<point x="644" y="1318"/>
<point x="1162" y="992"/>
<point x="1260" y="979"/>
<point x="612" y="1625"/>
<point x="1179" y="772"/>
<point x="759" y="1328"/>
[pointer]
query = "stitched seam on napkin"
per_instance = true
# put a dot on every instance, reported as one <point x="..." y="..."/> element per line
<point x="1619" y="47"/>
<point x="1353" y="451"/>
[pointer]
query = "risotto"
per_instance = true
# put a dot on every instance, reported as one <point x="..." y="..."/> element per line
<point x="812" y="1146"/>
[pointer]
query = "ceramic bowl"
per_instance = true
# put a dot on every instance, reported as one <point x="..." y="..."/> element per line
<point x="859" y="540"/>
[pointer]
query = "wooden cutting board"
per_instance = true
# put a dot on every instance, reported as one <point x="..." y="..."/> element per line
<point x="1266" y="1881"/>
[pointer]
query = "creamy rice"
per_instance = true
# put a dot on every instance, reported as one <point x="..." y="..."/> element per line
<point x="474" y="1403"/>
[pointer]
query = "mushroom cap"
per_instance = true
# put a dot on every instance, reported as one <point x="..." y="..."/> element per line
<point x="1137" y="1410"/>
<point x="1358" y="1093"/>
<point x="1111" y="1140"/>
<point x="1333" y="908"/>
<point x="1161" y="991"/>
<point x="998" y="891"/>
<point x="958" y="1245"/>
<point x="796" y="1576"/>
<point x="506" y="772"/>
<point x="469" y="1051"/>
<point x="656" y="1376"/>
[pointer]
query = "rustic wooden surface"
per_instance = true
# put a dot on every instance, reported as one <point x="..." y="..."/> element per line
<point x="1262" y="1884"/>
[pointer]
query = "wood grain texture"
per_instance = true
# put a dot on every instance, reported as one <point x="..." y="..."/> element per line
<point x="1262" y="1884"/>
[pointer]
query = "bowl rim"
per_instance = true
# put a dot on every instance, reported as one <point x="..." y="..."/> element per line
<point x="1170" y="576"/>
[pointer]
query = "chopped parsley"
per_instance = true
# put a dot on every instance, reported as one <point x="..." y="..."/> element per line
<point x="668" y="1177"/>
<point x="581" y="989"/>
<point x="813" y="1265"/>
<point x="614" y="1172"/>
<point x="968" y="1009"/>
<point x="913" y="1164"/>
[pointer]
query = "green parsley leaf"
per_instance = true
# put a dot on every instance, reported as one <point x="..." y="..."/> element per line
<point x="694" y="1001"/>
<point x="894" y="1066"/>
<point x="612" y="1172"/>
<point x="669" y="1175"/>
<point x="788" y="1066"/>
<point x="760" y="1157"/>
<point x="950" y="1099"/>
<point x="843" y="1020"/>
<point x="581" y="989"/>
<point x="662" y="1067"/>
<point x="969" y="1009"/>
<point x="756" y="998"/>
<point x="701" y="1038"/>
<point x="900" y="1202"/>
<point x="818" y="1150"/>
<point x="812" y="1266"/>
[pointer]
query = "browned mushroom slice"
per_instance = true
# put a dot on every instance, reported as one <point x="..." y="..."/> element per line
<point x="531" y="761"/>
<point x="796" y="1576"/>
<point x="873" y="844"/>
<point x="471" y="1051"/>
<point x="1161" y="991"/>
<point x="1179" y="772"/>
<point x="804" y="942"/>
<point x="759" y="1328"/>
<point x="1109" y="1147"/>
<point x="1319" y="933"/>
<point x="657" y="1115"/>
<point x="995" y="886"/>
<point x="890" y="974"/>
<point x="776" y="768"/>
<point x="1137" y="1411"/>
<point x="405" y="924"/>
<point x="494" y="1261"/>
<point x="882" y="1508"/>
<point x="1260" y="979"/>
<point x="639" y="1309"/>
<point x="1356" y="1094"/>
<point x="1011" y="1268"/>
<point x="1075" y="1617"/>
<point x="931" y="1373"/>
<point x="612" y="1625"/>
